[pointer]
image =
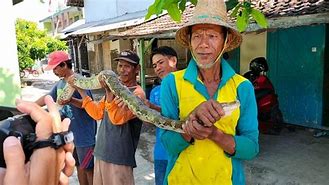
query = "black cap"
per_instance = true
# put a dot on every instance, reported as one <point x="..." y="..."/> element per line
<point x="129" y="56"/>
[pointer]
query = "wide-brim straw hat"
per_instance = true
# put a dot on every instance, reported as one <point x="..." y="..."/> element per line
<point x="210" y="12"/>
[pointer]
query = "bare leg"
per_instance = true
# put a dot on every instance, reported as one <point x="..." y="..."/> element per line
<point x="82" y="176"/>
<point x="90" y="176"/>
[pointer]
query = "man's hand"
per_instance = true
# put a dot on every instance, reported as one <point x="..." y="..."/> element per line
<point x="64" y="102"/>
<point x="102" y="81"/>
<point x="46" y="165"/>
<point x="207" y="113"/>
<point x="194" y="129"/>
<point x="71" y="81"/>
<point x="120" y="103"/>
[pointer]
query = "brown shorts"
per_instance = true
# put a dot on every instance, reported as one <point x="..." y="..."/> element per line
<point x="112" y="174"/>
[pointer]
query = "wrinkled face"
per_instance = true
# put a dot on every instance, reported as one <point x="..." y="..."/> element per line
<point x="207" y="41"/>
<point x="163" y="65"/>
<point x="126" y="71"/>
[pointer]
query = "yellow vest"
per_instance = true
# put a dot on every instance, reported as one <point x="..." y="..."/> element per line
<point x="204" y="162"/>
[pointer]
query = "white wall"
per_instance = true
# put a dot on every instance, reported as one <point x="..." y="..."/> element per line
<point x="10" y="86"/>
<point x="32" y="10"/>
<point x="96" y="10"/>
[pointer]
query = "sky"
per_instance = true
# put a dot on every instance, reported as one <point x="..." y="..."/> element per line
<point x="35" y="10"/>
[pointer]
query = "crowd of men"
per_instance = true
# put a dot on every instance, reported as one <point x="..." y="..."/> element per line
<point x="213" y="145"/>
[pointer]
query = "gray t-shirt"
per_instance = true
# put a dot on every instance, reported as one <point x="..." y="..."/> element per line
<point x="117" y="143"/>
<point x="82" y="125"/>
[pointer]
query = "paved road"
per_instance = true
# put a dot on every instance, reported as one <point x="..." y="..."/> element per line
<point x="290" y="158"/>
<point x="144" y="174"/>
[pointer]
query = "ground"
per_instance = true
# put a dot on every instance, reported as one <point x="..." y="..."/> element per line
<point x="291" y="158"/>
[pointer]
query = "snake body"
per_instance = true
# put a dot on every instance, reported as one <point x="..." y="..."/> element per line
<point x="134" y="103"/>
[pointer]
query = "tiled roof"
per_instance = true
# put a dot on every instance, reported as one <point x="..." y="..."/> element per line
<point x="270" y="8"/>
<point x="280" y="8"/>
<point x="125" y="20"/>
<point x="161" y="24"/>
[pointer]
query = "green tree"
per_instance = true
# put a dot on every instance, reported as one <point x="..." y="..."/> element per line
<point x="241" y="10"/>
<point x="34" y="44"/>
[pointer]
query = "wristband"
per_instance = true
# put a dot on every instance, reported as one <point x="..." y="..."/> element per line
<point x="55" y="141"/>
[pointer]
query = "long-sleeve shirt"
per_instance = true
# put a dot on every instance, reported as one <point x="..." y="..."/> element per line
<point x="118" y="115"/>
<point x="204" y="162"/>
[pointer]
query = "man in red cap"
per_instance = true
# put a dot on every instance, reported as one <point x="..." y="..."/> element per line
<point x="82" y="125"/>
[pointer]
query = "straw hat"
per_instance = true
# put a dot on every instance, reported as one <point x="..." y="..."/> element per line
<point x="209" y="12"/>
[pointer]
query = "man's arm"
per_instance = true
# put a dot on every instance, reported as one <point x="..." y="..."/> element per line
<point x="154" y="102"/>
<point x="77" y="98"/>
<point x="41" y="101"/>
<point x="118" y="112"/>
<point x="246" y="138"/>
<point x="52" y="93"/>
<point x="76" y="102"/>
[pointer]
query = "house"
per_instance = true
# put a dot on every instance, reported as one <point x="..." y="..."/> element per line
<point x="295" y="44"/>
<point x="90" y="43"/>
<point x="58" y="21"/>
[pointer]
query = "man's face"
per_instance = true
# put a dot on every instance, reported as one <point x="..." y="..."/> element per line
<point x="126" y="71"/>
<point x="207" y="42"/>
<point x="163" y="65"/>
<point x="60" y="70"/>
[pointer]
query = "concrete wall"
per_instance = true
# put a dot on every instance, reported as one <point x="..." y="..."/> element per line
<point x="103" y="9"/>
<point x="101" y="52"/>
<point x="91" y="55"/>
<point x="253" y="45"/>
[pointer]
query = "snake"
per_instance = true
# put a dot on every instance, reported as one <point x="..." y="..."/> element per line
<point x="134" y="103"/>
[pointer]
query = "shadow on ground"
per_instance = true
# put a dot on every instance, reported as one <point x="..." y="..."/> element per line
<point x="290" y="158"/>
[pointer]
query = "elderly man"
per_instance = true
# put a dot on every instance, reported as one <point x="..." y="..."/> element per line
<point x="213" y="146"/>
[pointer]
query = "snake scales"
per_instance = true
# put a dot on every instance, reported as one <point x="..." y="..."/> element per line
<point x="135" y="104"/>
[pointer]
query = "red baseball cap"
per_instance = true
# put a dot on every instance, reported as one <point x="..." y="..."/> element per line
<point x="55" y="58"/>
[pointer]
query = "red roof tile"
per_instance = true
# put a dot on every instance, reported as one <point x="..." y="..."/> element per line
<point x="270" y="8"/>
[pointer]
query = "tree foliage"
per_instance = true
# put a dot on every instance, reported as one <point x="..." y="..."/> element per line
<point x="241" y="10"/>
<point x="34" y="44"/>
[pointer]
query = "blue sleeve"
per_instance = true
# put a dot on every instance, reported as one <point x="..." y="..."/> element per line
<point x="172" y="141"/>
<point x="152" y="95"/>
<point x="246" y="138"/>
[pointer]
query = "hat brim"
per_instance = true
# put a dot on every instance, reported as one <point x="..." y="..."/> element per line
<point x="125" y="59"/>
<point x="235" y="38"/>
<point x="50" y="67"/>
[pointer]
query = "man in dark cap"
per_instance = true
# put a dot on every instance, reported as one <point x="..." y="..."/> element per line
<point x="119" y="130"/>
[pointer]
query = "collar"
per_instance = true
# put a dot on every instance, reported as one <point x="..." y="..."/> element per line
<point x="191" y="72"/>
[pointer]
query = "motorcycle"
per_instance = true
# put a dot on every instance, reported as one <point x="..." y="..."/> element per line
<point x="269" y="114"/>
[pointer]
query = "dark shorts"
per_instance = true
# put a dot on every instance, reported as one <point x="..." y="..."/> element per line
<point x="84" y="157"/>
